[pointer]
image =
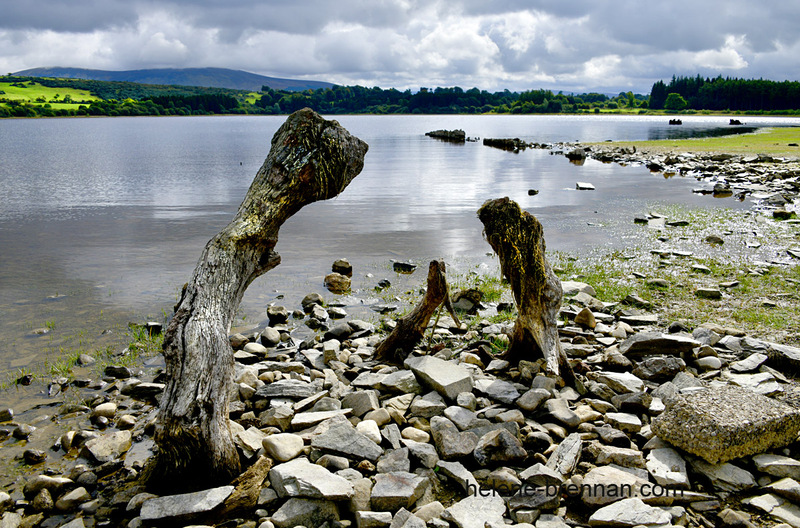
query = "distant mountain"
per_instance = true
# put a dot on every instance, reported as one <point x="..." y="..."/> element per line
<point x="213" y="77"/>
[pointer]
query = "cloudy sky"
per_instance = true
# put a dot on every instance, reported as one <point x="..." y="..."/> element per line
<point x="581" y="45"/>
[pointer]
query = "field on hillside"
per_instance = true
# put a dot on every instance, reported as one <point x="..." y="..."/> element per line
<point x="35" y="93"/>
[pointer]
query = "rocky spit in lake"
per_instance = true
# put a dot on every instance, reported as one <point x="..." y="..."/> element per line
<point x="695" y="427"/>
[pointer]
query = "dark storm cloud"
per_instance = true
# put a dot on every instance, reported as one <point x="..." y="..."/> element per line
<point x="57" y="15"/>
<point x="492" y="44"/>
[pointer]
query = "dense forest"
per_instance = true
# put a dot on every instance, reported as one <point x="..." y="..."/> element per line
<point x="680" y="95"/>
<point x="725" y="94"/>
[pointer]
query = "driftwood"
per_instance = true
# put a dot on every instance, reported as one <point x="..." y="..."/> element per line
<point x="517" y="238"/>
<point x="310" y="159"/>
<point x="410" y="328"/>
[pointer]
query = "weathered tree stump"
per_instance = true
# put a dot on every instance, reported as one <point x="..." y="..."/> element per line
<point x="410" y="328"/>
<point x="517" y="238"/>
<point x="310" y="159"/>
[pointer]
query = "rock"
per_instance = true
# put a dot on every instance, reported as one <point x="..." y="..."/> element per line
<point x="708" y="293"/>
<point x="6" y="414"/>
<point x="630" y="512"/>
<point x="402" y="381"/>
<point x="499" y="447"/>
<point x="368" y="519"/>
<point x="559" y="410"/>
<point x="787" y="488"/>
<point x="584" y="186"/>
<point x="184" y="506"/>
<point x="283" y="446"/>
<point x="565" y="458"/>
<point x="337" y="283"/>
<point x="585" y="318"/>
<point x="476" y="511"/>
<point x="70" y="501"/>
<point x="667" y="468"/>
<point x="727" y="422"/>
<point x="626" y="422"/>
<point x="725" y="476"/>
<point x="423" y="453"/>
<point x="777" y="507"/>
<point x="607" y="484"/>
<point x="445" y="377"/>
<point x="301" y="478"/>
<point x="343" y="267"/>
<point x="369" y="428"/>
<point x="460" y="475"/>
<point x="404" y="267"/>
<point x="287" y="388"/>
<point x="750" y="363"/>
<point x="652" y="343"/>
<point x="428" y="405"/>
<point x="777" y="465"/>
<point x="342" y="439"/>
<point x="539" y="475"/>
<point x="450" y="442"/>
<point x="305" y="512"/>
<point x="277" y="315"/>
<point x="620" y="382"/>
<point x="395" y="490"/>
<point x="659" y="368"/>
<point x="311" y="300"/>
<point x="270" y="337"/>
<point x="107" y="447"/>
<point x="496" y="389"/>
<point x="532" y="399"/>
<point x="361" y="402"/>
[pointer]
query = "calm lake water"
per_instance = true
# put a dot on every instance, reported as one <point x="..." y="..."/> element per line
<point x="102" y="220"/>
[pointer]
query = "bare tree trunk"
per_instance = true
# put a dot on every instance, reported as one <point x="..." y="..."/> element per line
<point x="410" y="328"/>
<point x="517" y="238"/>
<point x="310" y="159"/>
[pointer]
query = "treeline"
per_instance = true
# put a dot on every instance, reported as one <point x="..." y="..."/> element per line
<point x="456" y="100"/>
<point x="725" y="94"/>
<point x="132" y="99"/>
<point x="158" y="106"/>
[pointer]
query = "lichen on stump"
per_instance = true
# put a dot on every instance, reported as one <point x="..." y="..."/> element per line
<point x="518" y="239"/>
<point x="310" y="159"/>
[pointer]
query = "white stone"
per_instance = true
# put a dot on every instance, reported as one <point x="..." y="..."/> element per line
<point x="369" y="428"/>
<point x="283" y="446"/>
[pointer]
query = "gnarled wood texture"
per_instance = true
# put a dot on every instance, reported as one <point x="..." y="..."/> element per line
<point x="310" y="159"/>
<point x="518" y="239"/>
<point x="410" y="328"/>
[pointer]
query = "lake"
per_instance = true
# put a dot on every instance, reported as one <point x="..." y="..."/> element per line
<point x="102" y="220"/>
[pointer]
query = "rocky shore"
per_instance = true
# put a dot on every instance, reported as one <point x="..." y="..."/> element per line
<point x="774" y="183"/>
<point x="667" y="425"/>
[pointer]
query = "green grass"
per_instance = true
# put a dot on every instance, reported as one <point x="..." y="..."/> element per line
<point x="771" y="141"/>
<point x="39" y="95"/>
<point x="65" y="361"/>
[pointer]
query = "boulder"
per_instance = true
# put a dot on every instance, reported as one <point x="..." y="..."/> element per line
<point x="722" y="423"/>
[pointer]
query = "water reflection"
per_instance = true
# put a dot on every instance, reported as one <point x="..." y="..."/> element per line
<point x="114" y="212"/>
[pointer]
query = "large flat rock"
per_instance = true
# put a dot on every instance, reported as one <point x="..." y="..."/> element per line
<point x="722" y="423"/>
<point x="185" y="505"/>
<point x="445" y="377"/>
<point x="657" y="343"/>
<point x="301" y="478"/>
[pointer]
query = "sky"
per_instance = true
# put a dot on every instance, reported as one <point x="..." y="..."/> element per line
<point x="576" y="46"/>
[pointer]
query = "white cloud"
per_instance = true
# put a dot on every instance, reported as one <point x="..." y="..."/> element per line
<point x="492" y="44"/>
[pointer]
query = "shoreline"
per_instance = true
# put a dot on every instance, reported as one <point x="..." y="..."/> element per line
<point x="627" y="294"/>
